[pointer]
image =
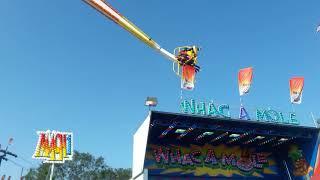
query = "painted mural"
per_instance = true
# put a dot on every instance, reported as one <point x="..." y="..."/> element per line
<point x="210" y="161"/>
<point x="300" y="165"/>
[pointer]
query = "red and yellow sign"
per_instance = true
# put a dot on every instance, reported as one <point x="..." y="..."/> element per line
<point x="54" y="146"/>
<point x="296" y="88"/>
<point x="245" y="78"/>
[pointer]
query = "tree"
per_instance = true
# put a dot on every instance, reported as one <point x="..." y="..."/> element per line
<point x="83" y="166"/>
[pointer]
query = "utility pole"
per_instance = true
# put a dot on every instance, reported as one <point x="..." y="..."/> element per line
<point x="21" y="172"/>
<point x="5" y="152"/>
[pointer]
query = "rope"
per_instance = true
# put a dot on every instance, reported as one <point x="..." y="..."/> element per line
<point x="27" y="161"/>
<point x="17" y="164"/>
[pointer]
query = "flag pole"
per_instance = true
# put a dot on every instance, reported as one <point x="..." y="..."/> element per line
<point x="293" y="109"/>
<point x="241" y="100"/>
<point x="314" y="120"/>
<point x="51" y="173"/>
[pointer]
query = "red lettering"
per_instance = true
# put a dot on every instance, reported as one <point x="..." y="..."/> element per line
<point x="160" y="155"/>
<point x="211" y="157"/>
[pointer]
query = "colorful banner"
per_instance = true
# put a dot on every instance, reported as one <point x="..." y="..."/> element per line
<point x="210" y="161"/>
<point x="54" y="146"/>
<point x="188" y="77"/>
<point x="296" y="88"/>
<point x="244" y="79"/>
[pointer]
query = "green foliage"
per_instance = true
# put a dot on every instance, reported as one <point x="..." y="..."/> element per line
<point x="83" y="166"/>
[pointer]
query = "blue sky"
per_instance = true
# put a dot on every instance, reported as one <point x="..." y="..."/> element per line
<point x="63" y="66"/>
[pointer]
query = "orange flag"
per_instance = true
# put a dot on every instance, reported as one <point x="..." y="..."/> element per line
<point x="244" y="79"/>
<point x="296" y="88"/>
<point x="188" y="77"/>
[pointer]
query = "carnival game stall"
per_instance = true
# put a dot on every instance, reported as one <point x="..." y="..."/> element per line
<point x="193" y="146"/>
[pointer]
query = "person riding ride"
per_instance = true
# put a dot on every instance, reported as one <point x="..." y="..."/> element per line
<point x="188" y="56"/>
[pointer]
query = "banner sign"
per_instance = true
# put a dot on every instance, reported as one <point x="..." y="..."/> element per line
<point x="223" y="110"/>
<point x="54" y="146"/>
<point x="209" y="161"/>
<point x="296" y="88"/>
<point x="187" y="77"/>
<point x="218" y="161"/>
<point x="244" y="79"/>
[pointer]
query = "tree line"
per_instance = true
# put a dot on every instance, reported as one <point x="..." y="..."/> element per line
<point x="84" y="166"/>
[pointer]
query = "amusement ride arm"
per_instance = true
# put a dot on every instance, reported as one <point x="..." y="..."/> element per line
<point x="104" y="8"/>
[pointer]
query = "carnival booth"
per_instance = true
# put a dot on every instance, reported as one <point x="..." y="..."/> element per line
<point x="193" y="146"/>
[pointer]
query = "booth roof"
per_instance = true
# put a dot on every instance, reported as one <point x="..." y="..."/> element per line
<point x="180" y="128"/>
